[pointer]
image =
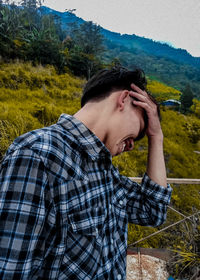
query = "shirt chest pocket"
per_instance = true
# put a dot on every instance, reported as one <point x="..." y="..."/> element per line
<point x="84" y="242"/>
<point x="89" y="221"/>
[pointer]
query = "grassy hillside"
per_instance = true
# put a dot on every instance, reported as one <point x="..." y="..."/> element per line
<point x="162" y="91"/>
<point x="33" y="97"/>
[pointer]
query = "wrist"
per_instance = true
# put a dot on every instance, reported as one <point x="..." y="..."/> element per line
<point x="156" y="138"/>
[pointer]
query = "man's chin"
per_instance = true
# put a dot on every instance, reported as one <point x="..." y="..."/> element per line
<point x="114" y="154"/>
<point x="119" y="152"/>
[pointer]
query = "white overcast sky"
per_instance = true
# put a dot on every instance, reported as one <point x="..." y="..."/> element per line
<point x="176" y="22"/>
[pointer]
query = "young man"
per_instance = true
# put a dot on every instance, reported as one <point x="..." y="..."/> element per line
<point x="64" y="207"/>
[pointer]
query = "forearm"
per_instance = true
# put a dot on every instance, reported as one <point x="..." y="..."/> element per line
<point x="156" y="165"/>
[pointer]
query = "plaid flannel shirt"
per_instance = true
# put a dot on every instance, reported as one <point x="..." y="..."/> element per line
<point x="64" y="208"/>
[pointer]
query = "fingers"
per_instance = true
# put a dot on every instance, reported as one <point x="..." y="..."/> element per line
<point x="141" y="95"/>
<point x="138" y="97"/>
<point x="139" y="90"/>
<point x="142" y="99"/>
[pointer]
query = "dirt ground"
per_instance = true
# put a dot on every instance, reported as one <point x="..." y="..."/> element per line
<point x="144" y="267"/>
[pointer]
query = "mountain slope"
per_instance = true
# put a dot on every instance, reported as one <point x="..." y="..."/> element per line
<point x="175" y="67"/>
<point x="151" y="47"/>
<point x="132" y="41"/>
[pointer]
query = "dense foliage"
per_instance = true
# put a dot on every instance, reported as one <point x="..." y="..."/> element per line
<point x="186" y="99"/>
<point x="28" y="34"/>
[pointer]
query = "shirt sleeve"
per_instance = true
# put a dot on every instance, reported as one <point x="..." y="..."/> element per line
<point x="146" y="203"/>
<point x="22" y="213"/>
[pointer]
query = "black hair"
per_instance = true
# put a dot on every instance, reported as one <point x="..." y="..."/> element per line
<point x="106" y="81"/>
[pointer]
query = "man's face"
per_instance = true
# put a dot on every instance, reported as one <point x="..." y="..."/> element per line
<point x="126" y="127"/>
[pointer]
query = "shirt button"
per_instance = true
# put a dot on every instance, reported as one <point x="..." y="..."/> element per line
<point x="119" y="277"/>
<point x="121" y="202"/>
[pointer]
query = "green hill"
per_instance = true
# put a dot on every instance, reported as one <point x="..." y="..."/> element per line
<point x="33" y="97"/>
<point x="176" y="67"/>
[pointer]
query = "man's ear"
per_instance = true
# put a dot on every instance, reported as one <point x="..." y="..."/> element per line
<point x="122" y="99"/>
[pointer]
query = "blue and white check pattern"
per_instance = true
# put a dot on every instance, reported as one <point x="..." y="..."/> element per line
<point x="64" y="208"/>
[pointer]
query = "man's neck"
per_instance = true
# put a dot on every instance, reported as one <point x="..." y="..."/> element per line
<point x="92" y="117"/>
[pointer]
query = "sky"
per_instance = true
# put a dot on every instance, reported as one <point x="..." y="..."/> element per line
<point x="176" y="22"/>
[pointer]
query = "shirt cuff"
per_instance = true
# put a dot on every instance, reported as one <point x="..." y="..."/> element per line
<point x="155" y="191"/>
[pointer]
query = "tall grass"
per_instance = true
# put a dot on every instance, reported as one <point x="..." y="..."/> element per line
<point x="33" y="97"/>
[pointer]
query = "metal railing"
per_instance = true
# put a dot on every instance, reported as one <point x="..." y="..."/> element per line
<point x="173" y="180"/>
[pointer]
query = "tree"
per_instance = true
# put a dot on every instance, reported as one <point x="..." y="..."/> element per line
<point x="86" y="49"/>
<point x="31" y="4"/>
<point x="10" y="29"/>
<point x="32" y="18"/>
<point x="186" y="99"/>
<point x="89" y="38"/>
<point x="44" y="45"/>
<point x="115" y="63"/>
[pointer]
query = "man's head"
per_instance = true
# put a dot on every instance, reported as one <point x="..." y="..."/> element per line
<point x="107" y="81"/>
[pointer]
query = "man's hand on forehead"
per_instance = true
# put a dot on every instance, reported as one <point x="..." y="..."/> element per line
<point x="143" y="100"/>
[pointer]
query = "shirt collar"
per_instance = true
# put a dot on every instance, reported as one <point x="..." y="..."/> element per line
<point x="86" y="138"/>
